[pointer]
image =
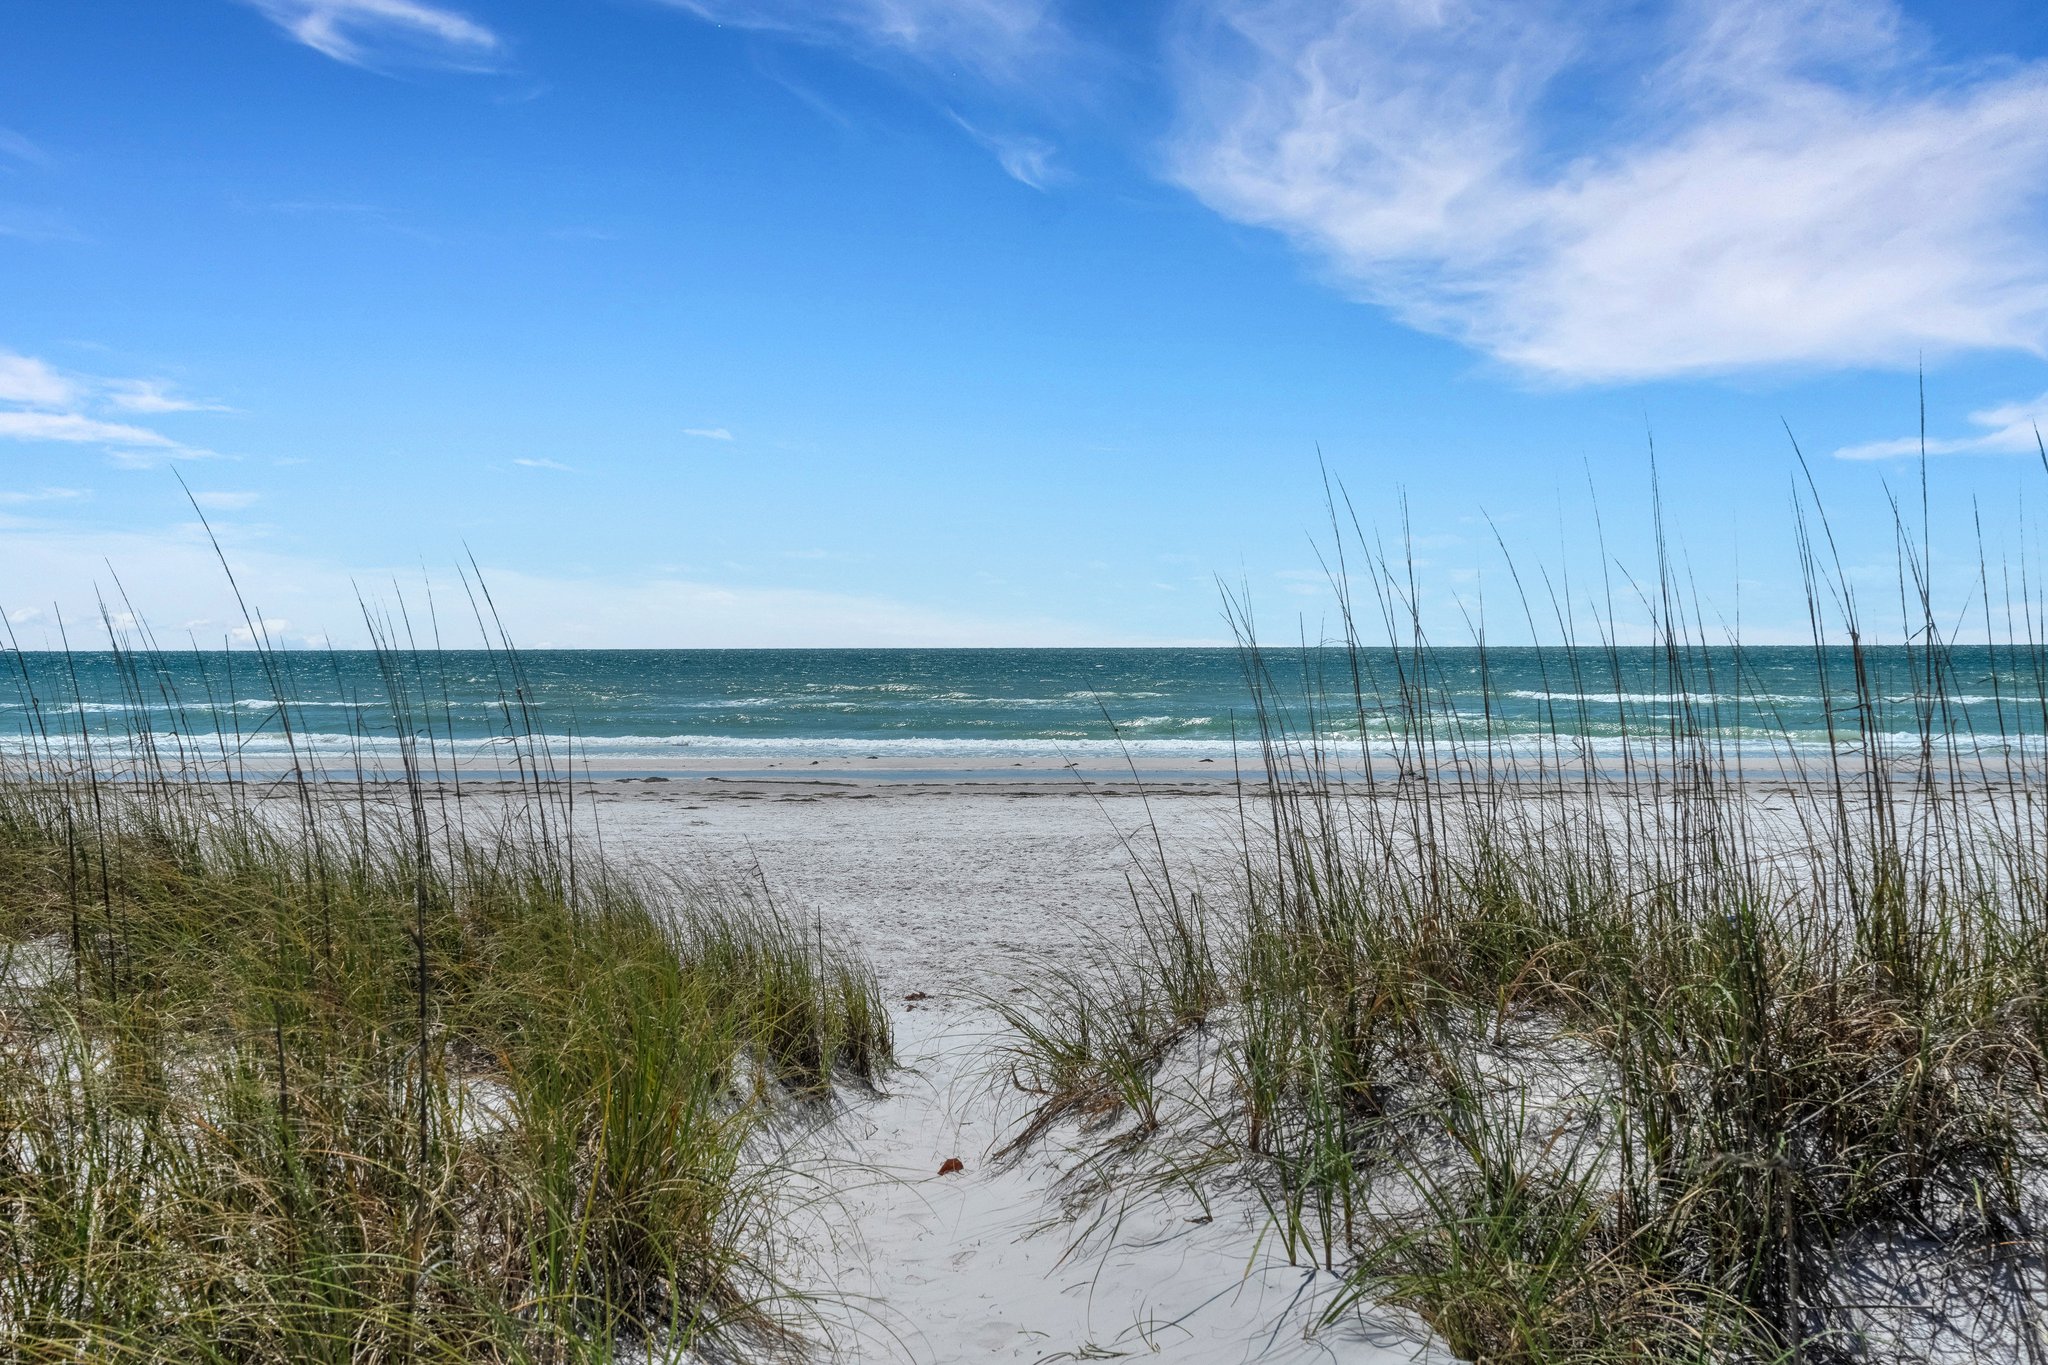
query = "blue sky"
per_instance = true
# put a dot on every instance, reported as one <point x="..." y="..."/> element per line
<point x="763" y="322"/>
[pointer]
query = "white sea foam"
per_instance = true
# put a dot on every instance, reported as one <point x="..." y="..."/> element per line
<point x="271" y="750"/>
<point x="1664" y="698"/>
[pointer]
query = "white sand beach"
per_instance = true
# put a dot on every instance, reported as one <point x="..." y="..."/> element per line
<point x="956" y="891"/>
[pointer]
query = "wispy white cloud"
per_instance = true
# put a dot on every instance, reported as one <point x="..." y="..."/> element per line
<point x="154" y="395"/>
<point x="34" y="383"/>
<point x="18" y="497"/>
<point x="76" y="428"/>
<point x="39" y="402"/>
<point x="2008" y="429"/>
<point x="378" y="32"/>
<point x="529" y="463"/>
<point x="272" y="630"/>
<point x="1016" y="50"/>
<point x="999" y="40"/>
<point x="708" y="433"/>
<point x="1028" y="160"/>
<point x="1590" y="196"/>
<point x="1024" y="158"/>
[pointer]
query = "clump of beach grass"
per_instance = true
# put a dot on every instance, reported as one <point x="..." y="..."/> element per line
<point x="303" y="1069"/>
<point x="1611" y="1056"/>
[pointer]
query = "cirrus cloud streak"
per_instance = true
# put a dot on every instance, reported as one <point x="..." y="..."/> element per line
<point x="378" y="32"/>
<point x="1591" y="197"/>
<point x="41" y="403"/>
<point x="2008" y="429"/>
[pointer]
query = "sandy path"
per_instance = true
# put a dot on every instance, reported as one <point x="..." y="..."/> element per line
<point x="953" y="891"/>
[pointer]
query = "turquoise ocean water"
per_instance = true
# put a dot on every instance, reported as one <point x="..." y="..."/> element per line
<point x="649" y="707"/>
